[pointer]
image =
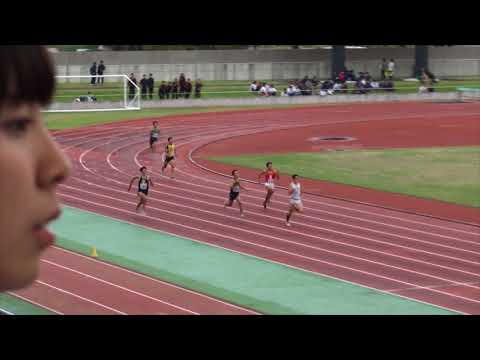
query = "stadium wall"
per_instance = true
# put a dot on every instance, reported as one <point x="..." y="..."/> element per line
<point x="445" y="62"/>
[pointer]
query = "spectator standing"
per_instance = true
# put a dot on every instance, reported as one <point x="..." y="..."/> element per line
<point x="391" y="69"/>
<point x="131" y="87"/>
<point x="198" y="88"/>
<point x="162" y="90"/>
<point x="188" y="89"/>
<point x="151" y="85"/>
<point x="174" y="89"/>
<point x="168" y="90"/>
<point x="383" y="69"/>
<point x="144" y="86"/>
<point x="93" y="73"/>
<point x="100" y="71"/>
<point x="181" y="85"/>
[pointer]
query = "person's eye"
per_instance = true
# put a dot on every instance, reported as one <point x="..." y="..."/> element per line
<point x="17" y="126"/>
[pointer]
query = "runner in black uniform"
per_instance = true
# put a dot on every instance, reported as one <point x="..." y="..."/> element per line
<point x="154" y="135"/>
<point x="144" y="183"/>
<point x="235" y="192"/>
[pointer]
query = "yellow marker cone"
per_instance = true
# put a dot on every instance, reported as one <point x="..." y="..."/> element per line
<point x="94" y="252"/>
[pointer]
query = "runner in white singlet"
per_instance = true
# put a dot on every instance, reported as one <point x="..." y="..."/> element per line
<point x="295" y="193"/>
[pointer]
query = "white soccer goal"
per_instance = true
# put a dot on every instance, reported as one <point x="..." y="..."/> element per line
<point x="78" y="93"/>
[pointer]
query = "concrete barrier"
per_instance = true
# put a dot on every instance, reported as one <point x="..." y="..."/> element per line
<point x="333" y="99"/>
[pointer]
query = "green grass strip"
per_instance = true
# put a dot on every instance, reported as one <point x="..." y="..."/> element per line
<point x="58" y="121"/>
<point x="450" y="174"/>
<point x="18" y="306"/>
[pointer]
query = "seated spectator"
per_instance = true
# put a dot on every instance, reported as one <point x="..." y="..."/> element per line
<point x="341" y="77"/>
<point x="291" y="91"/>
<point x="284" y="92"/>
<point x="337" y="86"/>
<point x="350" y="75"/>
<point x="271" y="90"/>
<point x="387" y="85"/>
<point x="264" y="90"/>
<point x="253" y="86"/>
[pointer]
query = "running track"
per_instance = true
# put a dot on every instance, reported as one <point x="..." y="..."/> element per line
<point x="430" y="260"/>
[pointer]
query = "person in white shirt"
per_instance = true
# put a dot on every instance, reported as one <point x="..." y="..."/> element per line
<point x="271" y="90"/>
<point x="295" y="193"/>
<point x="253" y="86"/>
<point x="290" y="91"/>
<point x="264" y="90"/>
<point x="391" y="69"/>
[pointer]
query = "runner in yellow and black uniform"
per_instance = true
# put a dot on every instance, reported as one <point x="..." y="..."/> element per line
<point x="170" y="154"/>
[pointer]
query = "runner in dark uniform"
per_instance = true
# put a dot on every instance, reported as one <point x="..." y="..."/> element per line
<point x="154" y="135"/>
<point x="234" y="194"/>
<point x="144" y="183"/>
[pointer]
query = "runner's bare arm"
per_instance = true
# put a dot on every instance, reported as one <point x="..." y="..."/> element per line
<point x="260" y="175"/>
<point x="151" y="182"/>
<point x="131" y="182"/>
<point x="290" y="190"/>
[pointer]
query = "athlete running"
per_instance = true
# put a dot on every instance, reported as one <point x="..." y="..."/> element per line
<point x="295" y="193"/>
<point x="234" y="194"/>
<point x="154" y="135"/>
<point x="270" y="175"/>
<point x="170" y="155"/>
<point x="144" y="183"/>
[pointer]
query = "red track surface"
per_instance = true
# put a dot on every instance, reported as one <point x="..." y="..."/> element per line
<point x="431" y="260"/>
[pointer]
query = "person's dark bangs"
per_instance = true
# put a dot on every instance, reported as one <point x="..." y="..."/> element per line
<point x="27" y="75"/>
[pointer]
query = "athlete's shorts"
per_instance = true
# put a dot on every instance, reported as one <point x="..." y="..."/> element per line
<point x="153" y="140"/>
<point x="296" y="202"/>
<point x="233" y="196"/>
<point x="168" y="159"/>
<point x="143" y="192"/>
<point x="270" y="186"/>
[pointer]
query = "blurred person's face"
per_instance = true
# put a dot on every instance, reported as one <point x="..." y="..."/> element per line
<point x="31" y="166"/>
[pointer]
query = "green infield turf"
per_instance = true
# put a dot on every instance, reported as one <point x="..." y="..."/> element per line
<point x="450" y="174"/>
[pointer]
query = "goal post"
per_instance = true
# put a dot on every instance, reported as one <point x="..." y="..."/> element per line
<point x="78" y="93"/>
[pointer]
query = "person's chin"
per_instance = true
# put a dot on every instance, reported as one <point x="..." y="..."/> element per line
<point x="23" y="277"/>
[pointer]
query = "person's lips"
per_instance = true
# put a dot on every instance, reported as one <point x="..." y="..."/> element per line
<point x="44" y="236"/>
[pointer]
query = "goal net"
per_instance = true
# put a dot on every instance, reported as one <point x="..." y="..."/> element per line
<point x="94" y="93"/>
<point x="468" y="94"/>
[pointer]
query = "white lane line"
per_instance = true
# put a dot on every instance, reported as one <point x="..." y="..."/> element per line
<point x="282" y="229"/>
<point x="309" y="200"/>
<point x="262" y="246"/>
<point x="80" y="297"/>
<point x="449" y="285"/>
<point x="258" y="234"/>
<point x="306" y="216"/>
<point x="299" y="222"/>
<point x="261" y="258"/>
<point x="35" y="303"/>
<point x="449" y="229"/>
<point x="149" y="277"/>
<point x="119" y="286"/>
<point x="5" y="312"/>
